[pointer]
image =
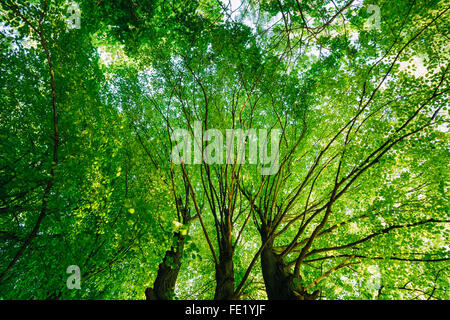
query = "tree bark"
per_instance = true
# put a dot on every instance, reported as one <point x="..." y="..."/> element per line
<point x="225" y="267"/>
<point x="164" y="285"/>
<point x="280" y="283"/>
<point x="225" y="275"/>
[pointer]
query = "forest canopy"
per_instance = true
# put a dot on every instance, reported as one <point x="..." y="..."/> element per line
<point x="224" y="149"/>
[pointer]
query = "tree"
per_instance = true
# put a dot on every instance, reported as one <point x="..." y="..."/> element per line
<point x="351" y="203"/>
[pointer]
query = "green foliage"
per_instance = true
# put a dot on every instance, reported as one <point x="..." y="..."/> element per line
<point x="136" y="70"/>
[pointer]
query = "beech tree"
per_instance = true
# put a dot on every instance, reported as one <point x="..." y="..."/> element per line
<point x="332" y="185"/>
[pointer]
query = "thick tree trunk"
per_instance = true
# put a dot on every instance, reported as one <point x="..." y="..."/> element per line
<point x="278" y="280"/>
<point x="225" y="267"/>
<point x="164" y="285"/>
<point x="225" y="276"/>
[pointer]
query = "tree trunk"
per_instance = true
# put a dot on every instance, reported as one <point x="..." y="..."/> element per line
<point x="225" y="276"/>
<point x="279" y="282"/>
<point x="164" y="285"/>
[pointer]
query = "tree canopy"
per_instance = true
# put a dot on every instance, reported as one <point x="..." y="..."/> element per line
<point x="341" y="191"/>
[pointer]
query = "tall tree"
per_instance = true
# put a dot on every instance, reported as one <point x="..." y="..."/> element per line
<point x="91" y="118"/>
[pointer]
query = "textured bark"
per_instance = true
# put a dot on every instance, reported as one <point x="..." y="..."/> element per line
<point x="278" y="280"/>
<point x="225" y="268"/>
<point x="225" y="276"/>
<point x="164" y="285"/>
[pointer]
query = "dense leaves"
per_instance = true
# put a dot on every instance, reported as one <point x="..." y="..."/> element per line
<point x="358" y="208"/>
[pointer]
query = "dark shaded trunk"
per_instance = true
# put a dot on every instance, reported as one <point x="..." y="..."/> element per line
<point x="225" y="275"/>
<point x="280" y="283"/>
<point x="225" y="267"/>
<point x="164" y="285"/>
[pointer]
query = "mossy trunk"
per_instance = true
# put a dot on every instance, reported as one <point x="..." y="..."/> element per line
<point x="164" y="285"/>
<point x="225" y="276"/>
<point x="279" y="282"/>
<point x="225" y="267"/>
